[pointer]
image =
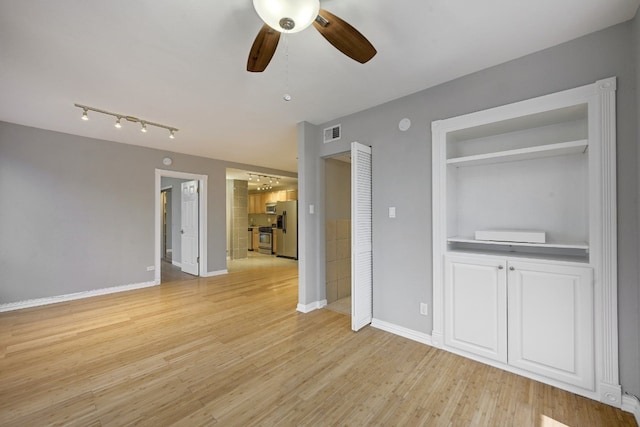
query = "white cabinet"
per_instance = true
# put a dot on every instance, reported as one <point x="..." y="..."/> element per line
<point x="547" y="310"/>
<point x="476" y="306"/>
<point x="529" y="315"/>
<point x="551" y="321"/>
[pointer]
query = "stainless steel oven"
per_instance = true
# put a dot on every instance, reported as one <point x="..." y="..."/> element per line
<point x="265" y="240"/>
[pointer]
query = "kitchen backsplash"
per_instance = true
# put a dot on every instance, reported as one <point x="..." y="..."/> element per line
<point x="262" y="219"/>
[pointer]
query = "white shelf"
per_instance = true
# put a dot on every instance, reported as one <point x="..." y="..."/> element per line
<point x="549" y="150"/>
<point x="581" y="246"/>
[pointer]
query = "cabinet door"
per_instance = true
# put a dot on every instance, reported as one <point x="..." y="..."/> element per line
<point x="551" y="321"/>
<point x="274" y="242"/>
<point x="251" y="205"/>
<point x="260" y="208"/>
<point x="292" y="194"/>
<point x="476" y="306"/>
<point x="256" y="239"/>
<point x="271" y="197"/>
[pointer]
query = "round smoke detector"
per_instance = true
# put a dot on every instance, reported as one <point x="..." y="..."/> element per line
<point x="404" y="124"/>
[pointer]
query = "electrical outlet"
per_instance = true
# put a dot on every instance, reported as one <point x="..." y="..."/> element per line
<point x="151" y="268"/>
<point x="424" y="309"/>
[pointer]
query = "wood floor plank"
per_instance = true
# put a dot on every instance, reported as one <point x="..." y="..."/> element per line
<point x="232" y="350"/>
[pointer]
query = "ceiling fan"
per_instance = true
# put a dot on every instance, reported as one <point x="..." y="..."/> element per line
<point x="291" y="16"/>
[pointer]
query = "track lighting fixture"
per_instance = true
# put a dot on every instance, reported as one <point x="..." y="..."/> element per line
<point x="258" y="178"/>
<point x="143" y="123"/>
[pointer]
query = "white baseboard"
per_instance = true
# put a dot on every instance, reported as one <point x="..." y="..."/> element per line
<point x="215" y="273"/>
<point x="302" y="308"/>
<point x="70" y="297"/>
<point x="176" y="263"/>
<point x="631" y="404"/>
<point x="420" y="337"/>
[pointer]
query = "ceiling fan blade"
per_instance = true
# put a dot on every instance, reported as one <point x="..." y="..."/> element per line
<point x="263" y="48"/>
<point x="344" y="37"/>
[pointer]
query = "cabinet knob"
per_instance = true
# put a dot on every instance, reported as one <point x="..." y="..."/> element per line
<point x="500" y="267"/>
<point x="512" y="268"/>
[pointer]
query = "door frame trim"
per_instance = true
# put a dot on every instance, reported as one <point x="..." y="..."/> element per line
<point x="202" y="218"/>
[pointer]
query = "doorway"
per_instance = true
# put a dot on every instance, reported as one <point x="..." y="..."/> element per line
<point x="197" y="225"/>
<point x="166" y="226"/>
<point x="348" y="234"/>
<point x="337" y="184"/>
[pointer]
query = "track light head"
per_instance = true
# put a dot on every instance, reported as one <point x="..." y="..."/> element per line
<point x="172" y="135"/>
<point x="84" y="115"/>
<point x="144" y="127"/>
<point x="118" y="125"/>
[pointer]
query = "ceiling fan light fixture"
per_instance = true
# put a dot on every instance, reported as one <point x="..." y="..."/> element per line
<point x="287" y="16"/>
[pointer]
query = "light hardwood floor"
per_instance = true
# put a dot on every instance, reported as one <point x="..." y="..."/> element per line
<point x="232" y="351"/>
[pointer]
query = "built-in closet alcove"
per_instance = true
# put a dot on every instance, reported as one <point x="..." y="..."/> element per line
<point x="524" y="246"/>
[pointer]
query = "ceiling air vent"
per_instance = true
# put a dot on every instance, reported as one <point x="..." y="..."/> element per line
<point x="332" y="134"/>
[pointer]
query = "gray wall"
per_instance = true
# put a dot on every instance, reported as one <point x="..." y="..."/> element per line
<point x="402" y="174"/>
<point x="77" y="214"/>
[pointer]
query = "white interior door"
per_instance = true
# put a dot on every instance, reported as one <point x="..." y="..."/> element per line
<point x="361" y="237"/>
<point x="189" y="227"/>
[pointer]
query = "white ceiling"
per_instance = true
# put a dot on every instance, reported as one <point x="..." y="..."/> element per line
<point x="182" y="63"/>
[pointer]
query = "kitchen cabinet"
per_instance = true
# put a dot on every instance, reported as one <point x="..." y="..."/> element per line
<point x="271" y="197"/>
<point x="274" y="242"/>
<point x="531" y="315"/>
<point x="545" y="166"/>
<point x="256" y="239"/>
<point x="256" y="203"/>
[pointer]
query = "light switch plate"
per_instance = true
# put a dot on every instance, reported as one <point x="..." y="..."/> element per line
<point x="424" y="309"/>
<point x="392" y="211"/>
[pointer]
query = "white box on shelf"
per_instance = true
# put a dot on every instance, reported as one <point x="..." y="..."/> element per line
<point x="523" y="236"/>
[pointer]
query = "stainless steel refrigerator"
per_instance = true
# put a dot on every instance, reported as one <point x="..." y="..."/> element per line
<point x="287" y="231"/>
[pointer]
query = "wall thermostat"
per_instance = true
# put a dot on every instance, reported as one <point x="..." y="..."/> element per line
<point x="167" y="161"/>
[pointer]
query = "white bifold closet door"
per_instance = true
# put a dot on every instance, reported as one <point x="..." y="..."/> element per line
<point x="361" y="237"/>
